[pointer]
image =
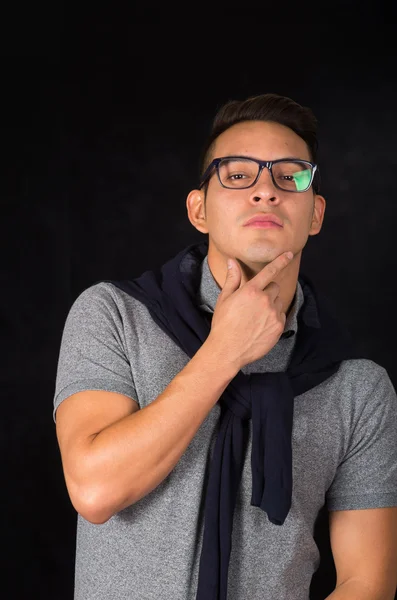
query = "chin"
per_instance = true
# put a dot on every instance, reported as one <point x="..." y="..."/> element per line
<point x="260" y="255"/>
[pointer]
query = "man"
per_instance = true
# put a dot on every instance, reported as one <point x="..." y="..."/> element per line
<point x="205" y="414"/>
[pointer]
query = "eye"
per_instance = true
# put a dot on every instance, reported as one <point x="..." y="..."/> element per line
<point x="235" y="176"/>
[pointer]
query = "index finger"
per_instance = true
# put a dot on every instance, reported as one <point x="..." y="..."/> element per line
<point x="271" y="270"/>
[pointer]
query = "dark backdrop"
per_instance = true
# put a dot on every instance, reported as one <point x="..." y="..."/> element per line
<point x="99" y="153"/>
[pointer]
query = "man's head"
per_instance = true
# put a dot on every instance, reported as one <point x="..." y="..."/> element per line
<point x="266" y="128"/>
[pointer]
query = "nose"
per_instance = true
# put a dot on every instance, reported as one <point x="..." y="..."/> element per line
<point x="264" y="189"/>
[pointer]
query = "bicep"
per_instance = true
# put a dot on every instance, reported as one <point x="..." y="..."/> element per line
<point x="364" y="546"/>
<point x="81" y="416"/>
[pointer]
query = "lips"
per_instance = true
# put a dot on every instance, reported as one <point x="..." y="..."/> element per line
<point x="262" y="218"/>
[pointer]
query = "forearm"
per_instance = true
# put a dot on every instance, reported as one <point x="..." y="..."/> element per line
<point x="131" y="457"/>
<point x="354" y="589"/>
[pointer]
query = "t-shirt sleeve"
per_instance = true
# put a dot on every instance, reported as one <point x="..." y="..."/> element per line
<point x="367" y="475"/>
<point x="92" y="353"/>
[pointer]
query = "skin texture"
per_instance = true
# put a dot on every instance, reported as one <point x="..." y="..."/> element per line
<point x="223" y="212"/>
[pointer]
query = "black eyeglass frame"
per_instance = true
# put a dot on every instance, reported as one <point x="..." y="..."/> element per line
<point x="262" y="164"/>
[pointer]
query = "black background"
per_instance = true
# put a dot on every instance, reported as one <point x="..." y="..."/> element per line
<point x="102" y="126"/>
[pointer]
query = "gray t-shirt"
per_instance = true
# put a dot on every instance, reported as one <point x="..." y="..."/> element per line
<point x="344" y="453"/>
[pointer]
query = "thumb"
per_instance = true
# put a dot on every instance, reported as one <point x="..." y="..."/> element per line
<point x="233" y="277"/>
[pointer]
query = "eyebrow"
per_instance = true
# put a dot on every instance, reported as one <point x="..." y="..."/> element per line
<point x="242" y="156"/>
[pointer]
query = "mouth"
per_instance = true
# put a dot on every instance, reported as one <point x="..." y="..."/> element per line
<point x="264" y="225"/>
<point x="262" y="219"/>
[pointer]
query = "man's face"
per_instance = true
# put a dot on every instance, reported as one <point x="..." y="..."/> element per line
<point x="227" y="210"/>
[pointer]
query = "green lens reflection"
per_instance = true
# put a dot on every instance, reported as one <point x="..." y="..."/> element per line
<point x="302" y="179"/>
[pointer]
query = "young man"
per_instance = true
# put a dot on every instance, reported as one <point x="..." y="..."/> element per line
<point x="206" y="414"/>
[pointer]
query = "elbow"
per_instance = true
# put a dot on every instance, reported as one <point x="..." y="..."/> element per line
<point x="95" y="515"/>
<point x="97" y="504"/>
<point x="98" y="498"/>
<point x="93" y="505"/>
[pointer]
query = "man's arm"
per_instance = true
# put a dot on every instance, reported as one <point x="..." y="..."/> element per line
<point x="113" y="454"/>
<point x="364" y="547"/>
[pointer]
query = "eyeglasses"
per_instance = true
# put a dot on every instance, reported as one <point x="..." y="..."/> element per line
<point x="241" y="172"/>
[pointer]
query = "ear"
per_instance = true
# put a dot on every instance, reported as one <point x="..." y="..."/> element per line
<point x="195" y="204"/>
<point x="318" y="214"/>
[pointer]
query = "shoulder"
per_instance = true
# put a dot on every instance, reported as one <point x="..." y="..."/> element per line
<point x="106" y="307"/>
<point x="93" y="303"/>
<point x="366" y="384"/>
<point x="364" y="371"/>
<point x="107" y="297"/>
<point x="102" y="291"/>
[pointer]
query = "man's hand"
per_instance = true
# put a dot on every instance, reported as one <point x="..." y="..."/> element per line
<point x="249" y="320"/>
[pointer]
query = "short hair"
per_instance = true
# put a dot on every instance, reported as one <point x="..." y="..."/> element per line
<point x="265" y="107"/>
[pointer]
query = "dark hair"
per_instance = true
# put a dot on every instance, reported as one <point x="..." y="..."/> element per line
<point x="266" y="107"/>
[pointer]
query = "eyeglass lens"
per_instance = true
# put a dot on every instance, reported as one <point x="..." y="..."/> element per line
<point x="289" y="175"/>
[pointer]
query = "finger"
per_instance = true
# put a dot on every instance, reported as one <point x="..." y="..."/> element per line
<point x="270" y="271"/>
